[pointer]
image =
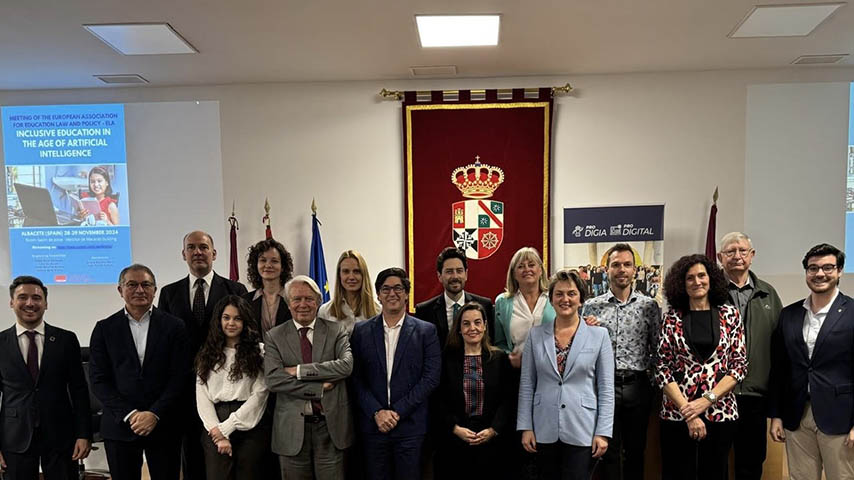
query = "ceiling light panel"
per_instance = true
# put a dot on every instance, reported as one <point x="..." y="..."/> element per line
<point x="142" y="38"/>
<point x="458" y="30"/>
<point x="784" y="20"/>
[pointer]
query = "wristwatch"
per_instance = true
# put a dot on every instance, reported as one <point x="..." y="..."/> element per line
<point x="711" y="397"/>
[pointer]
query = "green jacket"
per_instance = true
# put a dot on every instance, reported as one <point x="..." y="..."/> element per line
<point x="763" y="312"/>
<point x="503" y="312"/>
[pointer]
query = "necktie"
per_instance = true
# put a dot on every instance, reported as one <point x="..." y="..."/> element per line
<point x="456" y="309"/>
<point x="199" y="301"/>
<point x="32" y="355"/>
<point x="305" y="346"/>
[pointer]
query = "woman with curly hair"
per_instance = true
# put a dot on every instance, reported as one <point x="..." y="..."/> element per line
<point x="353" y="297"/>
<point x="701" y="358"/>
<point x="269" y="267"/>
<point x="231" y="394"/>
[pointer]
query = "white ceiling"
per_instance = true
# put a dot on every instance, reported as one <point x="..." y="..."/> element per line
<point x="43" y="45"/>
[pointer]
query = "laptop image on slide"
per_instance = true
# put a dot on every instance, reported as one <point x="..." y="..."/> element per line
<point x="38" y="207"/>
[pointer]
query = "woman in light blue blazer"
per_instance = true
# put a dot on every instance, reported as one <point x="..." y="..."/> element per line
<point x="566" y="393"/>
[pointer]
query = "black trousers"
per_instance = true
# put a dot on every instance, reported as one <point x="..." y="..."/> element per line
<point x="624" y="459"/>
<point x="56" y="462"/>
<point x="389" y="458"/>
<point x="162" y="453"/>
<point x="192" y="454"/>
<point x="248" y="449"/>
<point x="751" y="442"/>
<point x="683" y="458"/>
<point x="456" y="459"/>
<point x="559" y="461"/>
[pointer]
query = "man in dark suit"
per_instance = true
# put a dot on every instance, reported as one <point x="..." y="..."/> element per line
<point x="397" y="364"/>
<point x="192" y="299"/>
<point x="139" y="368"/>
<point x="812" y="382"/>
<point x="452" y="270"/>
<point x="44" y="415"/>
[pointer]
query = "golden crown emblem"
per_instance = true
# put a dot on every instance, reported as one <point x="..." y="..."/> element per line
<point x="477" y="180"/>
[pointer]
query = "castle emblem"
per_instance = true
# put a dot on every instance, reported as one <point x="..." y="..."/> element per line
<point x="477" y="223"/>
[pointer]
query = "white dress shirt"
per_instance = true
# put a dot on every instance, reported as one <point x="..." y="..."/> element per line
<point x="252" y="391"/>
<point x="523" y="319"/>
<point x="139" y="332"/>
<point x="449" y="307"/>
<point x="814" y="321"/>
<point x="208" y="279"/>
<point x="391" y="336"/>
<point x="24" y="342"/>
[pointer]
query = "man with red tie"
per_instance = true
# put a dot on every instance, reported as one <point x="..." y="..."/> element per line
<point x="44" y="415"/>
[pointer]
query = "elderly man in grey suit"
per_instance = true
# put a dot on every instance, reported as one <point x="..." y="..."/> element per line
<point x="306" y="360"/>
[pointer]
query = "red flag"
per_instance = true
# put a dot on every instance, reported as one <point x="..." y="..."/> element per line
<point x="711" y="250"/>
<point x="266" y="220"/>
<point x="233" y="270"/>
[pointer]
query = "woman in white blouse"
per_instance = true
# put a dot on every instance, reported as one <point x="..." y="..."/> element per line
<point x="353" y="297"/>
<point x="231" y="394"/>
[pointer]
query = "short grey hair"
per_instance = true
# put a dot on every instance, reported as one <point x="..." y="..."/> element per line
<point x="306" y="280"/>
<point x="733" y="237"/>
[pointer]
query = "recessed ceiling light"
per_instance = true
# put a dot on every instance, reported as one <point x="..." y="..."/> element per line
<point x="458" y="30"/>
<point x="141" y="38"/>
<point x="795" y="20"/>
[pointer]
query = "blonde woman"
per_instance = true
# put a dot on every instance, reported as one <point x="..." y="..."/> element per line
<point x="353" y="297"/>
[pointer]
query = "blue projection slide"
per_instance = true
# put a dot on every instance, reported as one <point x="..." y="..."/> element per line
<point x="67" y="192"/>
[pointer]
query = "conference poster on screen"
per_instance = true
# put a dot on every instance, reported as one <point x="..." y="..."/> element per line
<point x="67" y="192"/>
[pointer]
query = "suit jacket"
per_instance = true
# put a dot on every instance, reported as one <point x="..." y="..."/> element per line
<point x="283" y="313"/>
<point x="433" y="311"/>
<point x="123" y="385"/>
<point x="829" y="373"/>
<point x="175" y="299"/>
<point x="499" y="392"/>
<point x="332" y="361"/>
<point x="415" y="374"/>
<point x="58" y="400"/>
<point x="579" y="404"/>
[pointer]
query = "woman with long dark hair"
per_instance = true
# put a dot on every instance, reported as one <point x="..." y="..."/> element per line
<point x="101" y="190"/>
<point x="231" y="394"/>
<point x="701" y="358"/>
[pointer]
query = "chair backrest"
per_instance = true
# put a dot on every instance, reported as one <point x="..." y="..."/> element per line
<point x="96" y="409"/>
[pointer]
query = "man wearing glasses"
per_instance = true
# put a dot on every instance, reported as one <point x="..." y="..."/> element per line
<point x="138" y="368"/>
<point x="812" y="379"/>
<point x="759" y="306"/>
<point x="396" y="364"/>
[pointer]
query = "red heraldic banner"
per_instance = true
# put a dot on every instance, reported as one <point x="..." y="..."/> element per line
<point x="477" y="176"/>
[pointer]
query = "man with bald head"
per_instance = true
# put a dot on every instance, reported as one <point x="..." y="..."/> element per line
<point x="192" y="299"/>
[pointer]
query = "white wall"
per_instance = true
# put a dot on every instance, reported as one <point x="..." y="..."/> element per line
<point x="620" y="139"/>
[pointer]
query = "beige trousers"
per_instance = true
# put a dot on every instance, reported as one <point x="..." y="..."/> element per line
<point x="808" y="450"/>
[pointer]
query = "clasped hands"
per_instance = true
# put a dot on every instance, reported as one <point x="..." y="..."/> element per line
<point x="223" y="445"/>
<point x="386" y="420"/>
<point x="473" y="438"/>
<point x="142" y="423"/>
<point x="691" y="412"/>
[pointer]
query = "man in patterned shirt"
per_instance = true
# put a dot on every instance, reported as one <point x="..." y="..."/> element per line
<point x="633" y="321"/>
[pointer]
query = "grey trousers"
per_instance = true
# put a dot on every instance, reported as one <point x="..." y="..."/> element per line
<point x="317" y="459"/>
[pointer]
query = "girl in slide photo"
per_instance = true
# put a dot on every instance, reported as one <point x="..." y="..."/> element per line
<point x="100" y="189"/>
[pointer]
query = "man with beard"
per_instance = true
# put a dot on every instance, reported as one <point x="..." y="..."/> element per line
<point x="192" y="299"/>
<point x="452" y="271"/>
<point x="633" y="321"/>
<point x="759" y="307"/>
<point x="812" y="381"/>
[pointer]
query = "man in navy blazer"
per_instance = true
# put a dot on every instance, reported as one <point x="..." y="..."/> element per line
<point x="44" y="415"/>
<point x="192" y="299"/>
<point x="396" y="365"/>
<point x="812" y="380"/>
<point x="138" y="368"/>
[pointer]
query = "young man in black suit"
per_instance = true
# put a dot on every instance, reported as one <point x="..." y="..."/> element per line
<point x="192" y="299"/>
<point x="44" y="415"/>
<point x="139" y="369"/>
<point x="452" y="271"/>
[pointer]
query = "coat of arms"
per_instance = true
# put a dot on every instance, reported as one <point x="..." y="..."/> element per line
<point x="478" y="223"/>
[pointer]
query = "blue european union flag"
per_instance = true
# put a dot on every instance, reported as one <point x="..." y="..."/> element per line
<point x="317" y="263"/>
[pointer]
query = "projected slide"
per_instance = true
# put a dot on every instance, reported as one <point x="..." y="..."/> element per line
<point x="67" y="192"/>
<point x="849" y="190"/>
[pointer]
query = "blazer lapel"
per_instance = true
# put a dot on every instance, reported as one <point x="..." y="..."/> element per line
<point x="14" y="350"/>
<point x="687" y="335"/>
<point x="439" y="310"/>
<point x="549" y="347"/>
<point x="581" y="336"/>
<point x="124" y="327"/>
<point x="216" y="292"/>
<point x="184" y="298"/>
<point x="154" y="331"/>
<point x="292" y="338"/>
<point x="716" y="328"/>
<point x="402" y="341"/>
<point x="794" y="328"/>
<point x="379" y="342"/>
<point x="319" y="341"/>
<point x="47" y="349"/>
<point x="830" y="321"/>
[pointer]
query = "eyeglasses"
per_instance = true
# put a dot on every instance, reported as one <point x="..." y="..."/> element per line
<point x="742" y="252"/>
<point x="134" y="285"/>
<point x="385" y="289"/>
<point x="827" y="268"/>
